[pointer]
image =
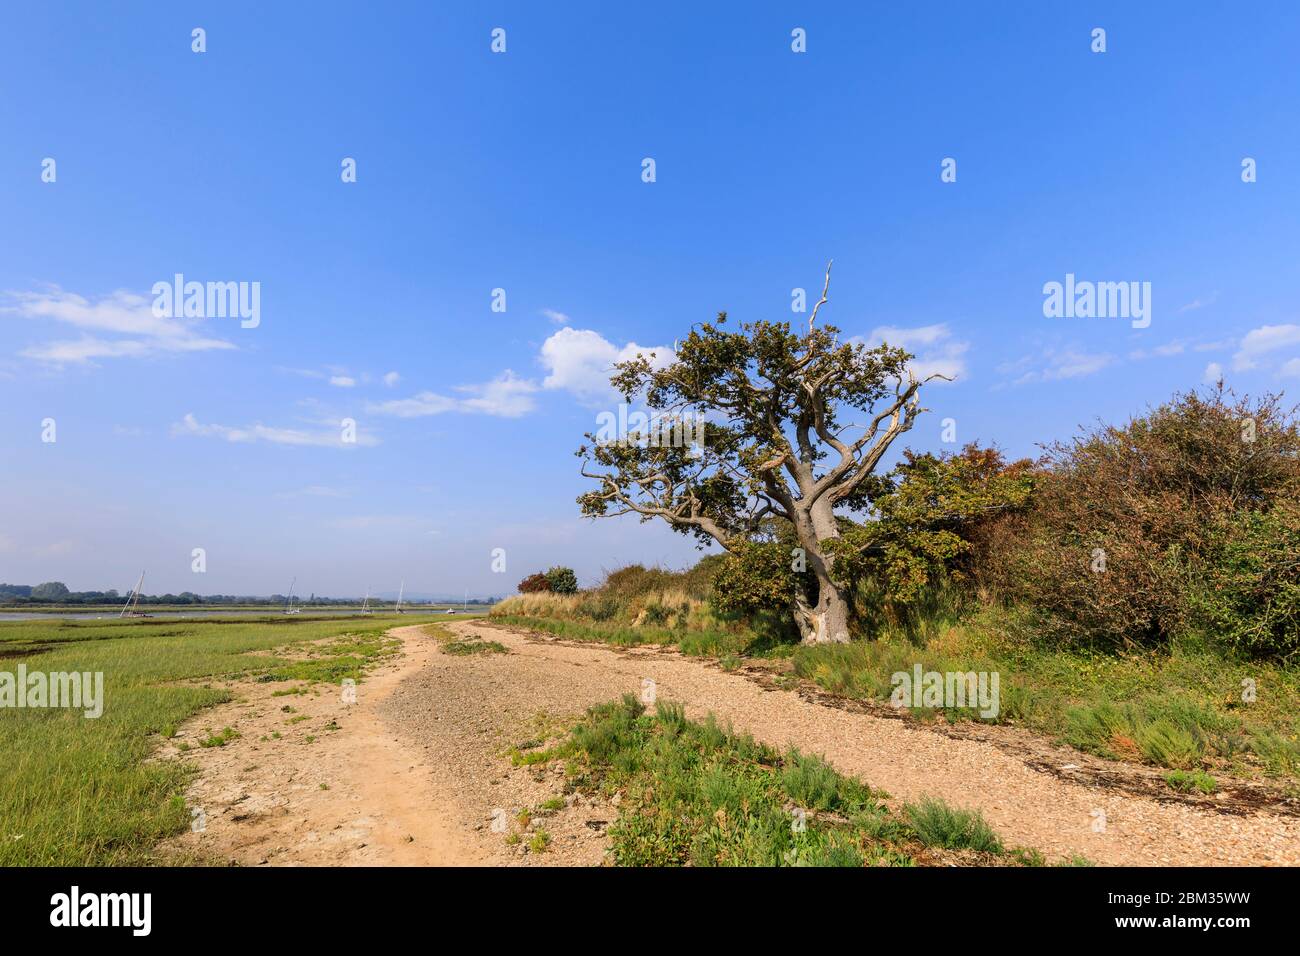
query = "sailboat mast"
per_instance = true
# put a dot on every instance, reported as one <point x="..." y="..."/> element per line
<point x="134" y="597"/>
<point x="400" y="591"/>
<point x="289" y="603"/>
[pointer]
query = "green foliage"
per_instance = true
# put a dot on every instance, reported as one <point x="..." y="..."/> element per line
<point x="1250" y="596"/>
<point x="696" y="794"/>
<point x="925" y="516"/>
<point x="929" y="510"/>
<point x="938" y="824"/>
<point x="50" y="591"/>
<point x="1185" y="782"/>
<point x="562" y="580"/>
<point x="471" y="647"/>
<point x="755" y="576"/>
<point x="1192" y="509"/>
<point x="693" y="793"/>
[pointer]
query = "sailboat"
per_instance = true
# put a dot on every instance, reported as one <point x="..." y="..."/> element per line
<point x="133" y="602"/>
<point x="365" y="605"/>
<point x="288" y="606"/>
<point x="397" y="609"/>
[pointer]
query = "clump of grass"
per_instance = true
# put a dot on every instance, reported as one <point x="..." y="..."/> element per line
<point x="937" y="824"/>
<point x="469" y="647"/>
<point x="540" y="841"/>
<point x="551" y="805"/>
<point x="220" y="739"/>
<point x="696" y="793"/>
<point x="1186" y="781"/>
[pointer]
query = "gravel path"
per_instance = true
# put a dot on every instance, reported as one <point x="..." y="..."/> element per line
<point x="460" y="712"/>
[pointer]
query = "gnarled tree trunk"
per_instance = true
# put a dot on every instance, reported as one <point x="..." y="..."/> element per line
<point x="827" y="621"/>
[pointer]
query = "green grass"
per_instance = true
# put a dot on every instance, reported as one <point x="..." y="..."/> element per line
<point x="937" y="824"/>
<point x="81" y="792"/>
<point x="470" y="647"/>
<point x="694" y="793"/>
<point x="708" y="643"/>
<point x="1181" y="709"/>
<point x="1185" y="782"/>
<point x="221" y="739"/>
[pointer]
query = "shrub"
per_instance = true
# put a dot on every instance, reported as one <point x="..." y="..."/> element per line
<point x="562" y="580"/>
<point x="1128" y="520"/>
<point x="534" y="583"/>
<point x="1250" y="597"/>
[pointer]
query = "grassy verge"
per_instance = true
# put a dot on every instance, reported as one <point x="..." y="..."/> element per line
<point x="1188" y="709"/>
<point x="700" y="643"/>
<point x="694" y="793"/>
<point x="81" y="792"/>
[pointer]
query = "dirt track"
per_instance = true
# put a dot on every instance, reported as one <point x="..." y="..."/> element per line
<point x="420" y="756"/>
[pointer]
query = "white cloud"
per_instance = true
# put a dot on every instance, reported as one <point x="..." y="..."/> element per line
<point x="418" y="406"/>
<point x="1213" y="374"/>
<point x="327" y="438"/>
<point x="342" y="381"/>
<point x="506" y="396"/>
<point x="1199" y="303"/>
<point x="580" y="361"/>
<point x="1258" y="342"/>
<point x="1160" y="351"/>
<point x="909" y="339"/>
<point x="936" y="351"/>
<point x="1056" y="365"/>
<point x="127" y="316"/>
<point x="391" y="379"/>
<point x="1291" y="369"/>
<point x="559" y="318"/>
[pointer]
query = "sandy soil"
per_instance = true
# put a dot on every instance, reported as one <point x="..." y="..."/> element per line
<point x="417" y="773"/>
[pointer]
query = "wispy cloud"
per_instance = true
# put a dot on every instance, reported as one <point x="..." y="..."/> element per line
<point x="559" y="318"/>
<point x="1054" y="364"/>
<point x="323" y="438"/>
<point x="937" y="351"/>
<point x="506" y="396"/>
<point x="118" y="325"/>
<point x="1198" y="303"/>
<point x="342" y="381"/>
<point x="391" y="379"/>
<point x="1257" y="343"/>
<point x="1160" y="351"/>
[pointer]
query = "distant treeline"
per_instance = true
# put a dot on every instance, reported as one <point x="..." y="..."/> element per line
<point x="56" y="592"/>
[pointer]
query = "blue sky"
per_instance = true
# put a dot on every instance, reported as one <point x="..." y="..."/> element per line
<point x="522" y="171"/>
